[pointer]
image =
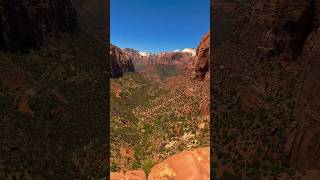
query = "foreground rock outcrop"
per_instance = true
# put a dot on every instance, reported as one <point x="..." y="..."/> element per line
<point x="129" y="175"/>
<point x="191" y="165"/>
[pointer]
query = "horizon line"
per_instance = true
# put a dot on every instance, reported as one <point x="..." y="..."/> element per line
<point x="152" y="51"/>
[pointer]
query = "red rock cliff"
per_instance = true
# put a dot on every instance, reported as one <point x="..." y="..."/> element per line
<point x="202" y="60"/>
<point x="120" y="62"/>
<point x="24" y="24"/>
<point x="270" y="67"/>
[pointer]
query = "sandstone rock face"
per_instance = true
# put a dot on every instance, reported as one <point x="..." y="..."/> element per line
<point x="93" y="17"/>
<point x="187" y="165"/>
<point x="250" y="98"/>
<point x="129" y="175"/>
<point x="203" y="57"/>
<point x="304" y="151"/>
<point x="191" y="51"/>
<point x="166" y="58"/>
<point x="275" y="46"/>
<point x="282" y="26"/>
<point x="25" y="23"/>
<point x="226" y="14"/>
<point x="134" y="55"/>
<point x="120" y="62"/>
<point x="31" y="82"/>
<point x="205" y="106"/>
<point x="169" y="57"/>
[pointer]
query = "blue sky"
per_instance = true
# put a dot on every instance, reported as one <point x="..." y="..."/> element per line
<point x="158" y="25"/>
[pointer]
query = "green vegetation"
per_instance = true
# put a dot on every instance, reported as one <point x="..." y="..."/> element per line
<point x="251" y="141"/>
<point x="64" y="137"/>
<point x="114" y="167"/>
<point x="124" y="128"/>
<point x="139" y="67"/>
<point x="151" y="123"/>
<point x="147" y="165"/>
<point x="166" y="70"/>
<point x="230" y="176"/>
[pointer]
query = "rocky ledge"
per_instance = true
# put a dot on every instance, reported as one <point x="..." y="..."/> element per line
<point x="193" y="164"/>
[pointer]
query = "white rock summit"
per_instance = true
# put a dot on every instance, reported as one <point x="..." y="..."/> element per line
<point x="186" y="50"/>
<point x="190" y="50"/>
<point x="144" y="54"/>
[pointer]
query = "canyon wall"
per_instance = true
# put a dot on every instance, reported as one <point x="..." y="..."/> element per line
<point x="224" y="17"/>
<point x="202" y="59"/>
<point x="120" y="62"/>
<point x="52" y="93"/>
<point x="93" y="18"/>
<point x="24" y="24"/>
<point x="268" y="70"/>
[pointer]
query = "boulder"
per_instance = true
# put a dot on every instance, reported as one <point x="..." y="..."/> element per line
<point x="128" y="175"/>
<point x="186" y="165"/>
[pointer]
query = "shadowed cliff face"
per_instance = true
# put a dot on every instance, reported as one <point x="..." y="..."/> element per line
<point x="92" y="17"/>
<point x="280" y="28"/>
<point x="16" y="27"/>
<point x="52" y="98"/>
<point x="25" y="24"/>
<point x="120" y="62"/>
<point x="266" y="88"/>
<point x="304" y="149"/>
<point x="203" y="58"/>
<point x="225" y="15"/>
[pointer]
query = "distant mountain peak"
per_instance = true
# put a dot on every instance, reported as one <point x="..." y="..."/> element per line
<point x="144" y="53"/>
<point x="147" y="54"/>
<point x="190" y="50"/>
